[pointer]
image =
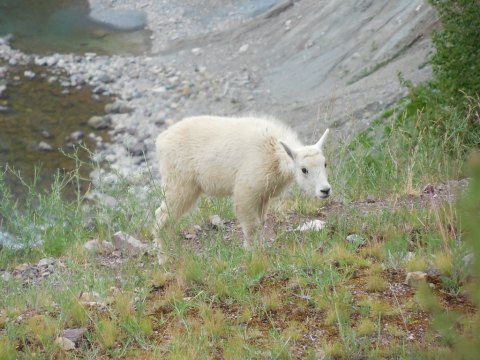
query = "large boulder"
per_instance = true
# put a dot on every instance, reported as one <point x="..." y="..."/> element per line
<point x="125" y="19"/>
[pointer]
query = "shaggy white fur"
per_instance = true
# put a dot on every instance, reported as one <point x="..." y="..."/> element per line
<point x="251" y="159"/>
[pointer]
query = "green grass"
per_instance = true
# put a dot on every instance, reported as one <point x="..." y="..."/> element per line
<point x="306" y="294"/>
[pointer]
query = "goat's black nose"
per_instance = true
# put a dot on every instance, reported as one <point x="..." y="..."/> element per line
<point x="325" y="191"/>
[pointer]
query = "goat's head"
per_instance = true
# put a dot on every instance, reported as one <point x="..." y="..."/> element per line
<point x="310" y="167"/>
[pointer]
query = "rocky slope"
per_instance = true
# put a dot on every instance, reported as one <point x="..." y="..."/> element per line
<point x="311" y="63"/>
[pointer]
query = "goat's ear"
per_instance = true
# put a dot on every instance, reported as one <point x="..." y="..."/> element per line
<point x="288" y="150"/>
<point x="322" y="139"/>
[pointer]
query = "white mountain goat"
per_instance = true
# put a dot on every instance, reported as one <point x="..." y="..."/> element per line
<point x="251" y="159"/>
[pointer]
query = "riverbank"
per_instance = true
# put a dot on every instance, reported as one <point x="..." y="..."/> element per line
<point x="332" y="66"/>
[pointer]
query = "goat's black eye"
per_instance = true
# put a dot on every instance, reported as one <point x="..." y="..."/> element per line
<point x="325" y="164"/>
<point x="304" y="170"/>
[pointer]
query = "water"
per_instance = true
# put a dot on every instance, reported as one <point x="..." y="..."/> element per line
<point x="48" y="26"/>
<point x="33" y="108"/>
<point x="29" y="108"/>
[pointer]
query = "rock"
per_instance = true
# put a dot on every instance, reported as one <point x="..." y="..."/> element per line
<point x="99" y="122"/>
<point x="64" y="343"/>
<point x="46" y="134"/>
<point x="4" y="109"/>
<point x="44" y="146"/>
<point x="243" y="49"/>
<point x="429" y="189"/>
<point x="104" y="247"/>
<point x="73" y="334"/>
<point x="29" y="74"/>
<point x="52" y="60"/>
<point x="92" y="245"/>
<point x="433" y="271"/>
<point x="216" y="221"/>
<point x="11" y="242"/>
<point x="77" y="135"/>
<point x="99" y="90"/>
<point x="312" y="225"/>
<point x="105" y="78"/>
<point x="159" y="89"/>
<point x="117" y="107"/>
<point x="138" y="149"/>
<point x="6" y="276"/>
<point x="409" y="256"/>
<point x="125" y="19"/>
<point x="46" y="262"/>
<point x="7" y="240"/>
<point x="22" y="267"/>
<point x="355" y="239"/>
<point x="370" y="199"/>
<point x="413" y="278"/>
<point x="92" y="300"/>
<point x="309" y="44"/>
<point x="197" y="51"/>
<point x="128" y="244"/>
<point x="468" y="260"/>
<point x="186" y="90"/>
<point x="288" y="25"/>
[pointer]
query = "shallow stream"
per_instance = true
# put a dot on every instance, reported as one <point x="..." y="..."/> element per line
<point x="63" y="26"/>
<point x="33" y="111"/>
<point x="36" y="110"/>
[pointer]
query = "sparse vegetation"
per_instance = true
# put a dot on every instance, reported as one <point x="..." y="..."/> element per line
<point x="214" y="299"/>
<point x="305" y="295"/>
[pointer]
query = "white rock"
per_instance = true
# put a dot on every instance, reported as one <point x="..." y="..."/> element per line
<point x="468" y="260"/>
<point x="44" y="146"/>
<point x="105" y="247"/>
<point x="159" y="89"/>
<point x="64" y="343"/>
<point x="288" y="25"/>
<point x="92" y="245"/>
<point x="73" y="334"/>
<point x="216" y="221"/>
<point x="128" y="244"/>
<point x="197" y="51"/>
<point x="6" y="276"/>
<point x="243" y="49"/>
<point x="312" y="225"/>
<point x="355" y="239"/>
<point x="45" y="262"/>
<point x="29" y="74"/>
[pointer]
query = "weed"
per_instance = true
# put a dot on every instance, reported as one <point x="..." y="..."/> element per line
<point x="366" y="327"/>
<point x="41" y="328"/>
<point x="375" y="283"/>
<point x="271" y="301"/>
<point x="416" y="263"/>
<point x="107" y="333"/>
<point x="9" y="351"/>
<point x="215" y="324"/>
<point x="257" y="265"/>
<point x="123" y="306"/>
